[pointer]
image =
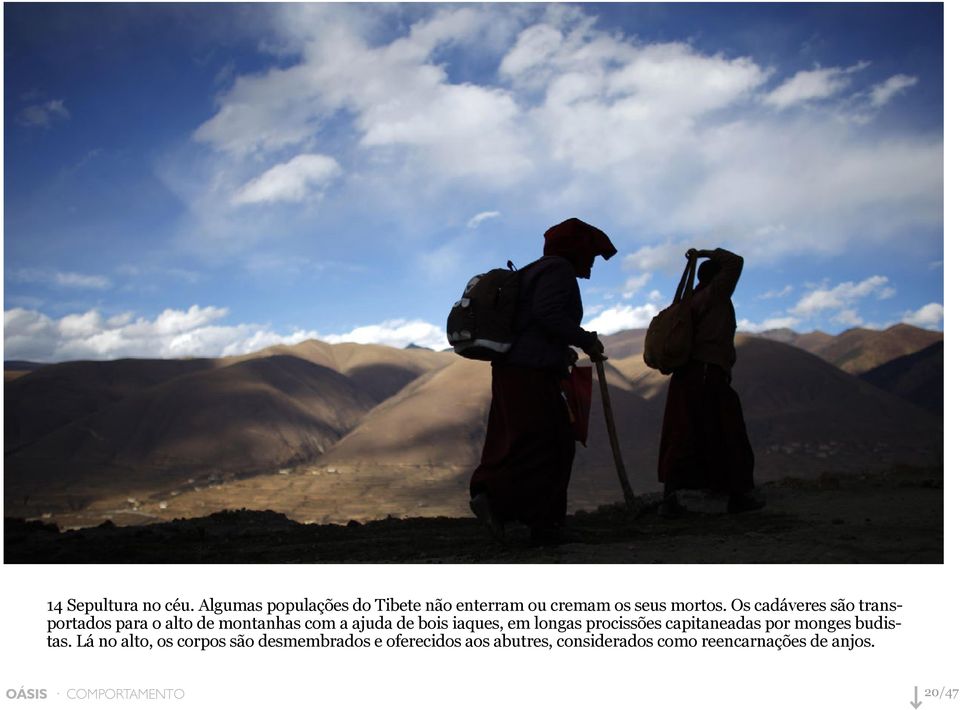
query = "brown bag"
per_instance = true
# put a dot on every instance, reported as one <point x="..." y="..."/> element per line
<point x="669" y="341"/>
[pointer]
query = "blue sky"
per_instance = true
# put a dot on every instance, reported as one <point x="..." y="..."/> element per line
<point x="187" y="180"/>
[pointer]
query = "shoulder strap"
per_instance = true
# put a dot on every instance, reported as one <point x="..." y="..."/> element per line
<point x="685" y="287"/>
<point x="544" y="261"/>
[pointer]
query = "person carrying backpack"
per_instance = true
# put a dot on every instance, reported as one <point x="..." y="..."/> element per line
<point x="529" y="448"/>
<point x="704" y="442"/>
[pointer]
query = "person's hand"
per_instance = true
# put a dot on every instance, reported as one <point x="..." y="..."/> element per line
<point x="595" y="349"/>
<point x="572" y="357"/>
<point x="692" y="253"/>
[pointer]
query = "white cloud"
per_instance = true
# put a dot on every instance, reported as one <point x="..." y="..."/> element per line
<point x="648" y="259"/>
<point x="533" y="50"/>
<point x="28" y="335"/>
<point x="656" y="257"/>
<point x="174" y="322"/>
<point x="842" y="187"/>
<point x="880" y="94"/>
<point x="618" y="113"/>
<point x="402" y="104"/>
<point x="196" y="332"/>
<point x="929" y="316"/>
<point x="43" y="115"/>
<point x="841" y="297"/>
<point x="811" y="85"/>
<point x="785" y="291"/>
<point x="622" y="317"/>
<point x="477" y="219"/>
<point x="80" y="326"/>
<point x="634" y="284"/>
<point x="71" y="280"/>
<point x="65" y="279"/>
<point x="848" y="317"/>
<point x="299" y="179"/>
<point x="258" y="339"/>
<point x="398" y="333"/>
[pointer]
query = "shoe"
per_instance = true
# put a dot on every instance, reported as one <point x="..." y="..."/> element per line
<point x="744" y="502"/>
<point x="553" y="536"/>
<point x="670" y="508"/>
<point x="480" y="505"/>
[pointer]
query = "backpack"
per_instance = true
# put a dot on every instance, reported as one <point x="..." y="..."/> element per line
<point x="481" y="324"/>
<point x="668" y="345"/>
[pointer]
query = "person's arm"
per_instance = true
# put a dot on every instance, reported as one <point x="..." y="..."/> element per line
<point x="555" y="289"/>
<point x="731" y="266"/>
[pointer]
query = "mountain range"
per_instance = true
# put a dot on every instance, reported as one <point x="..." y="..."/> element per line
<point x="330" y="433"/>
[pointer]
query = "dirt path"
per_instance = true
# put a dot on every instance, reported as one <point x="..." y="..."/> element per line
<point x="895" y="517"/>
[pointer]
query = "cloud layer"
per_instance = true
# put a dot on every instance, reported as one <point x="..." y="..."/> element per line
<point x="61" y="279"/>
<point x="656" y="137"/>
<point x="196" y="332"/>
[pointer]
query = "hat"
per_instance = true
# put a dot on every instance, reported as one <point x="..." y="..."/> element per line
<point x="574" y="237"/>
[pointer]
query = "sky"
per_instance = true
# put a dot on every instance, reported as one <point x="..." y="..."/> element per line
<point x="186" y="180"/>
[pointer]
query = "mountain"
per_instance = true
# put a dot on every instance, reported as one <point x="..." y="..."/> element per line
<point x="854" y="351"/>
<point x="227" y="421"/>
<point x="811" y="342"/>
<point x="860" y="349"/>
<point x="412" y="455"/>
<point x="624" y="343"/>
<point x="56" y="395"/>
<point x="83" y="432"/>
<point x="330" y="433"/>
<point x="15" y="369"/>
<point x="917" y="377"/>
<point x="379" y="370"/>
<point x="23" y="365"/>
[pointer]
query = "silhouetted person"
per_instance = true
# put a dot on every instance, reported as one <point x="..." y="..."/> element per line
<point x="528" y="453"/>
<point x="704" y="443"/>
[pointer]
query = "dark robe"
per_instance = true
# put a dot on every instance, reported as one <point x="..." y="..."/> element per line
<point x="704" y="442"/>
<point x="528" y="453"/>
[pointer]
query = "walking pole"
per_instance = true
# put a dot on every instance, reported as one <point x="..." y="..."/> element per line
<point x="612" y="431"/>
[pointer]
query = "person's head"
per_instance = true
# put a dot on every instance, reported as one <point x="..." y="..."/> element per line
<point x="707" y="271"/>
<point x="579" y="243"/>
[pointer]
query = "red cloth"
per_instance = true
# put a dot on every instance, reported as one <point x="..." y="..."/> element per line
<point x="576" y="240"/>
<point x="704" y="441"/>
<point x="578" y="389"/>
<point x="529" y="449"/>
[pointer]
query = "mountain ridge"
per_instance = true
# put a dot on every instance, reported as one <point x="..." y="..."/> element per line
<point x="332" y="432"/>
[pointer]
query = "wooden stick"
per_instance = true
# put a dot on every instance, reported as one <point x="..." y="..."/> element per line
<point x="612" y="431"/>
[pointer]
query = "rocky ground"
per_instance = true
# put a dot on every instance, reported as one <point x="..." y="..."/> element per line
<point x="894" y="517"/>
